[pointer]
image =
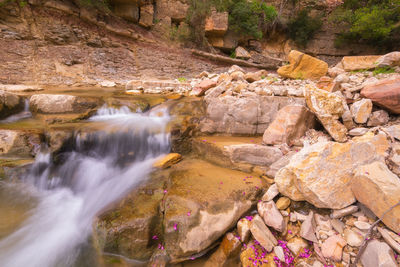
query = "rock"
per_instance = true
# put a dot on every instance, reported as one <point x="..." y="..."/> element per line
<point x="202" y="87"/>
<point x="253" y="154"/>
<point x="223" y="256"/>
<point x="289" y="125"/>
<point x="353" y="63"/>
<point x="49" y="103"/>
<point x="253" y="252"/>
<point x="352" y="238"/>
<point x="389" y="60"/>
<point x="358" y="131"/>
<point x="19" y="143"/>
<point x="307" y="230"/>
<point x="337" y="225"/>
<point x="328" y="107"/>
<point x="342" y="78"/>
<point x="168" y="161"/>
<point x="283" y="203"/>
<point x="277" y="165"/>
<point x="278" y="250"/>
<point x="146" y="16"/>
<point x="328" y="84"/>
<point x="9" y="104"/>
<point x="361" y="110"/>
<point x="176" y="10"/>
<point x="394" y="131"/>
<point x="377" y="180"/>
<point x="271" y="193"/>
<point x="384" y="93"/>
<point x="271" y="215"/>
<point x="297" y="245"/>
<point x="217" y="23"/>
<point x="243" y="228"/>
<point x="363" y="226"/>
<point x="235" y="68"/>
<point x="203" y="202"/>
<point x="303" y="66"/>
<point x="332" y="248"/>
<point x="239" y="116"/>
<point x="262" y="234"/>
<point x="378" y="118"/>
<point x="388" y="239"/>
<point x="20" y="88"/>
<point x="128" y="11"/>
<point x="337" y="214"/>
<point x="107" y="84"/>
<point x="378" y="254"/>
<point x="242" y="53"/>
<point x="237" y="76"/>
<point x="255" y="76"/>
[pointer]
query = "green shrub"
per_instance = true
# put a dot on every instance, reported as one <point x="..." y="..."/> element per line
<point x="384" y="70"/>
<point x="303" y="27"/>
<point x="369" y="21"/>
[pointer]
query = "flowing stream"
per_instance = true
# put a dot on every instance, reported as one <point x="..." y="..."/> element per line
<point x="96" y="170"/>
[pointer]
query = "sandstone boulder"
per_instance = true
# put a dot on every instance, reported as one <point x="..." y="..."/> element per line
<point x="332" y="248"/>
<point x="377" y="118"/>
<point x="385" y="93"/>
<point x="255" y="76"/>
<point x="353" y="63"/>
<point x="146" y="15"/>
<point x="217" y="23"/>
<point x="303" y="66"/>
<point x="49" y="103"/>
<point x="321" y="173"/>
<point x="18" y="143"/>
<point x="389" y="60"/>
<point x="242" y="53"/>
<point x="271" y="215"/>
<point x="289" y="125"/>
<point x="9" y="104"/>
<point x="361" y="110"/>
<point x="226" y="253"/>
<point x="176" y="10"/>
<point x="262" y="234"/>
<point x="375" y="179"/>
<point x="328" y="84"/>
<point x="202" y="203"/>
<point x="168" y="161"/>
<point x="329" y="108"/>
<point x="202" y="87"/>
<point x="378" y="254"/>
<point x="246" y="115"/>
<point x="128" y="11"/>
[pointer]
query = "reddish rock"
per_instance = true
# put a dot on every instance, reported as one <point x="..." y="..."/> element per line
<point x="332" y="248"/>
<point x="203" y="86"/>
<point x="328" y="84"/>
<point x="385" y="93"/>
<point x="290" y="124"/>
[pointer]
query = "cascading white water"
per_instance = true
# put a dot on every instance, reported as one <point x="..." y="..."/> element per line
<point x="19" y="116"/>
<point x="97" y="171"/>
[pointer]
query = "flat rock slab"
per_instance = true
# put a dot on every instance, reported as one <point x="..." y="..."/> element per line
<point x="202" y="203"/>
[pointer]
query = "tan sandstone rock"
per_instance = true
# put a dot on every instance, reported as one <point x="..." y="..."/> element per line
<point x="329" y="108"/>
<point x="352" y="63"/>
<point x="361" y="110"/>
<point x="332" y="248"/>
<point x="290" y="124"/>
<point x="389" y="60"/>
<point x="242" y="53"/>
<point x="216" y="23"/>
<point x="321" y="173"/>
<point x="262" y="234"/>
<point x="168" y="161"/>
<point x="303" y="66"/>
<point x="203" y="86"/>
<point x="377" y="180"/>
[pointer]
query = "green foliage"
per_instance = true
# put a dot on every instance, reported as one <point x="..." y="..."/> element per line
<point x="245" y="17"/>
<point x="384" y="70"/>
<point x="303" y="27"/>
<point x="22" y="4"/>
<point x="182" y="79"/>
<point x="233" y="54"/>
<point x="370" y="21"/>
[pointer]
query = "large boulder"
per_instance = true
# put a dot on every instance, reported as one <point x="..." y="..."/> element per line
<point x="377" y="180"/>
<point x="353" y="63"/>
<point x="9" y="103"/>
<point x="202" y="203"/>
<point x="245" y="115"/>
<point x="146" y="15"/>
<point x="385" y="93"/>
<point x="174" y="9"/>
<point x="329" y="108"/>
<point x="18" y="143"/>
<point x="128" y="11"/>
<point x="321" y="173"/>
<point x="290" y="124"/>
<point x="378" y="254"/>
<point x="217" y="23"/>
<point x="303" y="66"/>
<point x="389" y="60"/>
<point x="49" y="103"/>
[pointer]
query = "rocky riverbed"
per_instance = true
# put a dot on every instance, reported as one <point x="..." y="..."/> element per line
<point x="292" y="168"/>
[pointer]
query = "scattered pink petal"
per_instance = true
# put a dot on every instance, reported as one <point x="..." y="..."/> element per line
<point x="189" y="212"/>
<point x="165" y="191"/>
<point x="175" y="226"/>
<point x="155" y="237"/>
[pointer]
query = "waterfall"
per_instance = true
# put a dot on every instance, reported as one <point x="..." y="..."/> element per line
<point x="97" y="170"/>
